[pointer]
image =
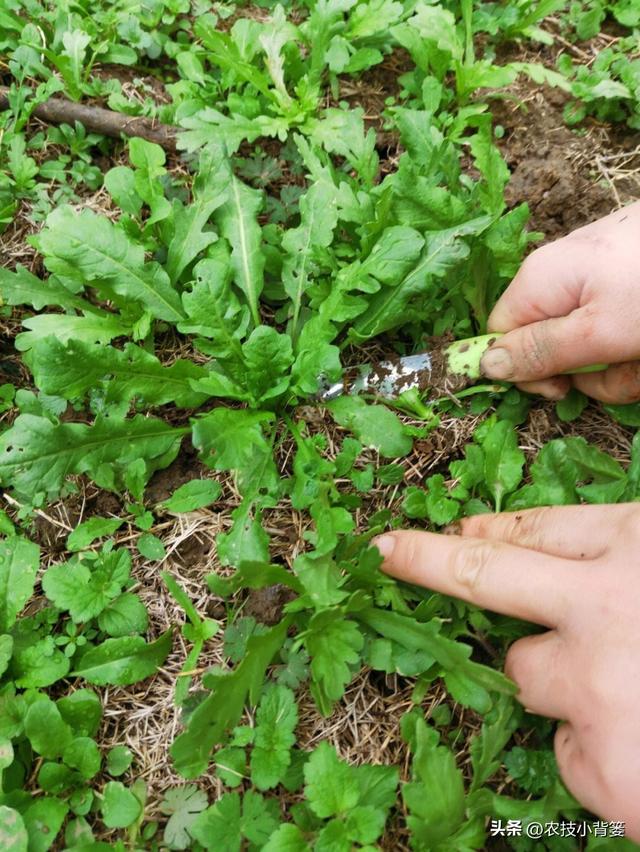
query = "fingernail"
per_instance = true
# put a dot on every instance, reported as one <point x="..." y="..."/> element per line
<point x="385" y="544"/>
<point x="452" y="529"/>
<point x="497" y="364"/>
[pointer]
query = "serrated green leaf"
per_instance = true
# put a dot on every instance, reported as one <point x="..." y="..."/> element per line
<point x="213" y="309"/>
<point x="334" y="644"/>
<point x="435" y="797"/>
<point x="208" y="723"/>
<point x="503" y="461"/>
<point x="287" y="838"/>
<point x="74" y="368"/>
<point x="226" y="54"/>
<point x="267" y="357"/>
<point x="452" y="656"/>
<point x="497" y="728"/>
<point x="88" y="247"/>
<point x="231" y="765"/>
<point x="188" y="238"/>
<point x="319" y="217"/>
<point x="124" y="616"/>
<point x="247" y="541"/>
<point x="21" y="287"/>
<point x="329" y="783"/>
<point x="37" y="455"/>
<point x="568" y="470"/>
<point x="38" y="663"/>
<point x="260" y="817"/>
<point x="208" y="123"/>
<point x="89" y="329"/>
<point x="442" y="252"/>
<point x="85" y="591"/>
<point x="149" y="159"/>
<point x="276" y="719"/>
<point x="233" y="439"/>
<point x="182" y="804"/>
<point x="219" y="827"/>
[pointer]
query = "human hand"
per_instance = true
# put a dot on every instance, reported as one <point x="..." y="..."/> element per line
<point x="573" y="569"/>
<point x="574" y="302"/>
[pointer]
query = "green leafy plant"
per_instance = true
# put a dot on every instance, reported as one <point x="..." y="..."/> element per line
<point x="190" y="305"/>
<point x="609" y="88"/>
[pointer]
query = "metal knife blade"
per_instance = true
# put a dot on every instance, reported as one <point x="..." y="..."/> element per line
<point x="387" y="379"/>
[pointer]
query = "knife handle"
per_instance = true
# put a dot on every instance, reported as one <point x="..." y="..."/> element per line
<point x="464" y="356"/>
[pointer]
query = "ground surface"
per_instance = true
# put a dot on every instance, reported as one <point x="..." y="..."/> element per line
<point x="568" y="178"/>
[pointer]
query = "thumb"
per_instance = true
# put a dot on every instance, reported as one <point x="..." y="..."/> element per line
<point x="543" y="349"/>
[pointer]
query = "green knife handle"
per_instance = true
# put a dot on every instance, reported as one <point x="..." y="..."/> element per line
<point x="464" y="356"/>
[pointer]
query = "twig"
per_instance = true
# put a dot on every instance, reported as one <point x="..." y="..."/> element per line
<point x="605" y="174"/>
<point x="99" y="120"/>
<point x="13" y="502"/>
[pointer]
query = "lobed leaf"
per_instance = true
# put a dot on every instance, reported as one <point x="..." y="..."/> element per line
<point x="87" y="247"/>
<point x="74" y="368"/>
<point x="36" y="455"/>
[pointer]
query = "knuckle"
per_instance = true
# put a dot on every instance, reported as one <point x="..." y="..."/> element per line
<point x="536" y="262"/>
<point x="630" y="517"/>
<point x="623" y="383"/>
<point x="516" y="664"/>
<point x="591" y="320"/>
<point x="469" y="563"/>
<point x="536" y="350"/>
<point x="590" y="240"/>
<point x="528" y="527"/>
<point x="410" y="552"/>
<point x="564" y="744"/>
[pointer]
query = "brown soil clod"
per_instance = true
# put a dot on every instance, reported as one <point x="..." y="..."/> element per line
<point x="183" y="469"/>
<point x="554" y="169"/>
<point x="266" y="605"/>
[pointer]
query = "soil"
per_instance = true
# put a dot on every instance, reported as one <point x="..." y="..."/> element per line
<point x="47" y="534"/>
<point x="183" y="469"/>
<point x="192" y="551"/>
<point x="551" y="165"/>
<point x="554" y="170"/>
<point x="105" y="503"/>
<point x="132" y="80"/>
<point x="266" y="605"/>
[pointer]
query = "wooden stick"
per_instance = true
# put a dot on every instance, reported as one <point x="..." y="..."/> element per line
<point x="99" y="120"/>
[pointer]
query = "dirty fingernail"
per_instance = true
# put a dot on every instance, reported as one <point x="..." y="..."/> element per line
<point x="497" y="364"/>
<point x="385" y="544"/>
<point x="452" y="529"/>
